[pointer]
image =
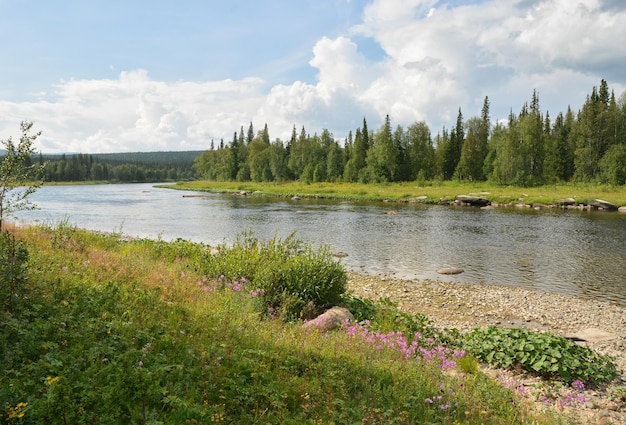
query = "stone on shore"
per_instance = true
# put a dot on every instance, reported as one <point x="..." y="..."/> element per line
<point x="592" y="335"/>
<point x="565" y="201"/>
<point x="474" y="201"/>
<point x="605" y="205"/>
<point x="331" y="319"/>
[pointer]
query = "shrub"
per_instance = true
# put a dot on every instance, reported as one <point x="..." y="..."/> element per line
<point x="294" y="278"/>
<point x="544" y="354"/>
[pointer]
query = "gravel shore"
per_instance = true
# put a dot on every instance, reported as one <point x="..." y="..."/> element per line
<point x="464" y="307"/>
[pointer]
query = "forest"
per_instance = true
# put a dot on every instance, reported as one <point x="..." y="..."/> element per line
<point x="120" y="167"/>
<point x="530" y="149"/>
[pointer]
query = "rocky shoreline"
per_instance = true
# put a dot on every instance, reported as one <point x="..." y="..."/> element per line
<point x="465" y="307"/>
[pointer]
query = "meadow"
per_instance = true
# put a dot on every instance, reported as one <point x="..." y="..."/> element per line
<point x="428" y="192"/>
<point x="102" y="329"/>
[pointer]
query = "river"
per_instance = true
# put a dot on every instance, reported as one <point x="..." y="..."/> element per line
<point x="578" y="253"/>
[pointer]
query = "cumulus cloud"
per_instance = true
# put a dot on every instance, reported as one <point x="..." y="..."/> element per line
<point x="135" y="113"/>
<point x="440" y="58"/>
<point x="437" y="58"/>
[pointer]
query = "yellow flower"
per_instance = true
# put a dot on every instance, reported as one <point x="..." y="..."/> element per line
<point x="16" y="412"/>
<point x="50" y="380"/>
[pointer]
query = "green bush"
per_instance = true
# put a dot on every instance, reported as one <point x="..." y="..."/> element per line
<point x="295" y="280"/>
<point x="544" y="354"/>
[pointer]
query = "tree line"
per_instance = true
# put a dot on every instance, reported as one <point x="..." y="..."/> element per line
<point x="120" y="167"/>
<point x="529" y="149"/>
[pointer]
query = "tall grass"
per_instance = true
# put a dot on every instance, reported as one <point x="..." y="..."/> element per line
<point x="117" y="331"/>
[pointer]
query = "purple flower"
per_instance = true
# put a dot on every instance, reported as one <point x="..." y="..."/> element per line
<point x="578" y="384"/>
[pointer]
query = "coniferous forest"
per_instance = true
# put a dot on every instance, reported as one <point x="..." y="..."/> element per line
<point x="531" y="148"/>
<point x="119" y="167"/>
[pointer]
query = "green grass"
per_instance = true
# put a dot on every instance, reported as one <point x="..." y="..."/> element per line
<point x="113" y="331"/>
<point x="433" y="191"/>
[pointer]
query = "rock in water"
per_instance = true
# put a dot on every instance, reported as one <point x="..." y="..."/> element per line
<point x="450" y="270"/>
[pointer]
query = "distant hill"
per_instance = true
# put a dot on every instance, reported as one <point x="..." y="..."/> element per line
<point x="152" y="158"/>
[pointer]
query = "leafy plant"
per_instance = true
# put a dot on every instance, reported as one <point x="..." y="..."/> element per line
<point x="544" y="354"/>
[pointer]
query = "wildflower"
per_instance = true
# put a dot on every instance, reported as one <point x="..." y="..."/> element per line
<point x="578" y="384"/>
<point x="50" y="380"/>
<point x="271" y="312"/>
<point x="16" y="412"/>
<point x="257" y="292"/>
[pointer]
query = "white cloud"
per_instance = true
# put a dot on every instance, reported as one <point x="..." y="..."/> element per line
<point x="437" y="58"/>
<point x="135" y="113"/>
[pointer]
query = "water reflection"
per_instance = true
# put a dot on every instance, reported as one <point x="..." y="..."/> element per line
<point x="572" y="252"/>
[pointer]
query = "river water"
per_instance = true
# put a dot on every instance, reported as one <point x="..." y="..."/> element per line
<point x="571" y="252"/>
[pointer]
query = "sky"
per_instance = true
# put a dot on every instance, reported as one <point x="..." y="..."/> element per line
<point x="100" y="76"/>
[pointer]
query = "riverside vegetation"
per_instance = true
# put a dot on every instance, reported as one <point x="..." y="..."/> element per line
<point x="101" y="329"/>
<point x="424" y="192"/>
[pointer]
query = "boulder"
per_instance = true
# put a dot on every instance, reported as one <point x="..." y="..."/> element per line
<point x="622" y="209"/>
<point x="331" y="319"/>
<point x="474" y="201"/>
<point x="605" y="205"/>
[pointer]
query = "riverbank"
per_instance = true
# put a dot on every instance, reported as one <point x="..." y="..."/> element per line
<point x="423" y="192"/>
<point x="168" y="343"/>
<point x="465" y="307"/>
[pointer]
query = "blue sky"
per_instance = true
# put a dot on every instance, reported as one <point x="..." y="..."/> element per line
<point x="112" y="76"/>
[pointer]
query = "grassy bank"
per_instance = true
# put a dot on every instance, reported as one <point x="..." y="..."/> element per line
<point x="430" y="192"/>
<point x="109" y="331"/>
